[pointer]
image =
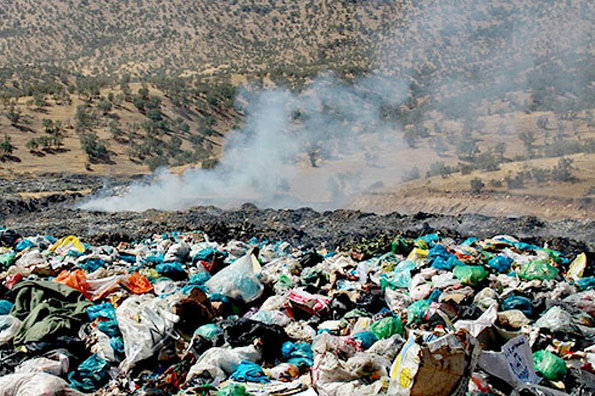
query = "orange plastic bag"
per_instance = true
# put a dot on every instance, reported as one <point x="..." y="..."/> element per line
<point x="138" y="284"/>
<point x="94" y="289"/>
<point x="75" y="279"/>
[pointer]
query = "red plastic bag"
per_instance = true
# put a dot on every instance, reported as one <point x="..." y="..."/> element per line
<point x="12" y="280"/>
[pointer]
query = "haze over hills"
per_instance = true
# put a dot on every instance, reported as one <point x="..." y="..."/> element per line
<point x="500" y="92"/>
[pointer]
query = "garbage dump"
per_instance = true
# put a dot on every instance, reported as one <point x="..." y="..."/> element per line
<point x="177" y="313"/>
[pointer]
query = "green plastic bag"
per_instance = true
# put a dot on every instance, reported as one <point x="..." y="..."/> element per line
<point x="7" y="259"/>
<point x="233" y="390"/>
<point x="208" y="331"/>
<point x="538" y="269"/>
<point x="549" y="365"/>
<point x="386" y="327"/>
<point x="470" y="274"/>
<point x="416" y="311"/>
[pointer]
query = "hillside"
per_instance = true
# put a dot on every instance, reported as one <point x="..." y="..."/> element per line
<point x="470" y="89"/>
<point x="116" y="130"/>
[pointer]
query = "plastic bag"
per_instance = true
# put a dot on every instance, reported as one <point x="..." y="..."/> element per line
<point x="238" y="280"/>
<point x="470" y="274"/>
<point x="9" y="327"/>
<point x="386" y="327"/>
<point x="233" y="390"/>
<point x="58" y="366"/>
<point x="314" y="304"/>
<point x="173" y="270"/>
<point x="5" y="307"/>
<point x="93" y="289"/>
<point x="501" y="264"/>
<point x="557" y="319"/>
<point x="66" y="244"/>
<point x="538" y="270"/>
<point x="177" y="252"/>
<point x="485" y="298"/>
<point x="90" y="374"/>
<point x="283" y="372"/>
<point x="7" y="259"/>
<point x="145" y="323"/>
<point x="389" y="347"/>
<point x="38" y="384"/>
<point x="208" y="331"/>
<point x="577" y="268"/>
<point x="396" y="300"/>
<point x="225" y="359"/>
<point x="76" y="279"/>
<point x="416" y="311"/>
<point x="249" y="372"/>
<point x="299" y="354"/>
<point x="446" y="264"/>
<point x="271" y="317"/>
<point x="549" y="365"/>
<point x="366" y="338"/>
<point x="138" y="284"/>
<point x="399" y="278"/>
<point x="523" y="304"/>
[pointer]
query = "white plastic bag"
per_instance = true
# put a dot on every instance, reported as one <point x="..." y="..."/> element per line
<point x="145" y="323"/>
<point x="35" y="384"/>
<point x="58" y="366"/>
<point x="238" y="280"/>
<point x="177" y="252"/>
<point x="9" y="326"/>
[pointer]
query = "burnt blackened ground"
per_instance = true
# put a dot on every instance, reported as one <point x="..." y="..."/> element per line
<point x="54" y="214"/>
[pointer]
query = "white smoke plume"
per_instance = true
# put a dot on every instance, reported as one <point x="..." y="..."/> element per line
<point x="288" y="153"/>
<point x="450" y="58"/>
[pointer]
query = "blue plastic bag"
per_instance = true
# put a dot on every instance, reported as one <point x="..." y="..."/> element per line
<point x="23" y="244"/>
<point x="90" y="375"/>
<point x="501" y="264"/>
<point x="109" y="327"/>
<point x="172" y="270"/>
<point x="299" y="354"/>
<point x="105" y="310"/>
<point x="5" y="307"/>
<point x="587" y="283"/>
<point x="448" y="264"/>
<point x="366" y="338"/>
<point x="249" y="372"/>
<point x="523" y="304"/>
<point x="91" y="265"/>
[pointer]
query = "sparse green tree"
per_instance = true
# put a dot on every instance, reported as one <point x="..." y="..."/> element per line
<point x="95" y="149"/>
<point x="477" y="185"/>
<point x="32" y="144"/>
<point x="14" y="116"/>
<point x="528" y="137"/>
<point x="105" y="106"/>
<point x="6" y="147"/>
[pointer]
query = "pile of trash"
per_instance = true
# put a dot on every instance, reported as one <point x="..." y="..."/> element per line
<point x="180" y="314"/>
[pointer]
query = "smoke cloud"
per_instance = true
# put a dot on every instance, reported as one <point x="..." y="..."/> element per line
<point x="334" y="139"/>
<point x="310" y="148"/>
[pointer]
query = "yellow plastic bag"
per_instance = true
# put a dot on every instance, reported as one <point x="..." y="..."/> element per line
<point x="577" y="268"/>
<point x="417" y="254"/>
<point x="62" y="246"/>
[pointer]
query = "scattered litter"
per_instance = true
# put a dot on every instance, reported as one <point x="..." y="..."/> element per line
<point x="180" y="314"/>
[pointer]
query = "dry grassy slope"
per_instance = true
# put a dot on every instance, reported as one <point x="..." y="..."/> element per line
<point x="72" y="158"/>
<point x="552" y="200"/>
<point x="248" y="35"/>
<point x="89" y="35"/>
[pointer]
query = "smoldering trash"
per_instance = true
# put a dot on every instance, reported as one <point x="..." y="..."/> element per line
<point x="177" y="313"/>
